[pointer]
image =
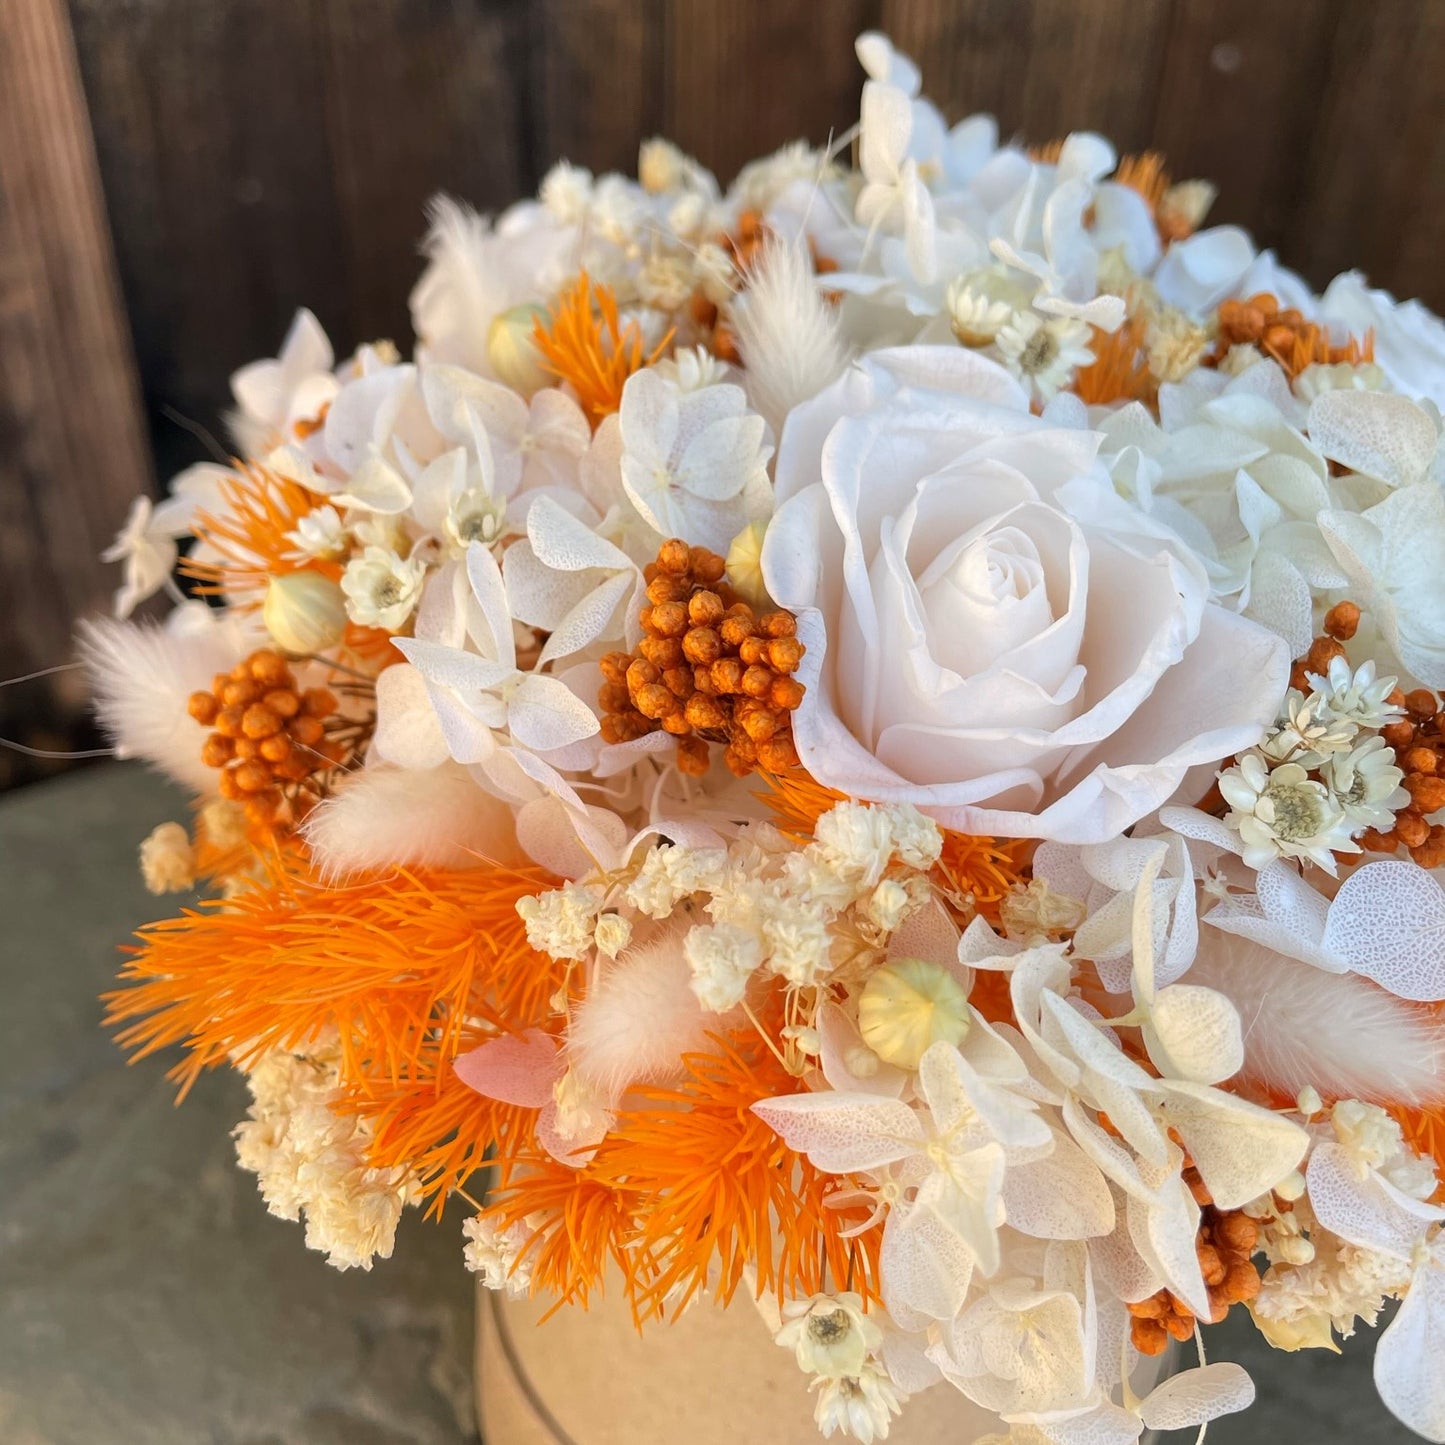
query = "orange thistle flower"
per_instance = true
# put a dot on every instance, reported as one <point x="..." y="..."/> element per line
<point x="401" y="965"/>
<point x="584" y="344"/>
<point x="1119" y="371"/>
<point x="250" y="534"/>
<point x="977" y="867"/>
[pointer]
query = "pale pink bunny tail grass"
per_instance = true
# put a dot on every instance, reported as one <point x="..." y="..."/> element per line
<point x="640" y="1017"/>
<point x="1338" y="1033"/>
<point x="787" y="332"/>
<point x="384" y="818"/>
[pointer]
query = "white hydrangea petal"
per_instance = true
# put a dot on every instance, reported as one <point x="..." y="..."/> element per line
<point x="543" y="714"/>
<point x="376" y="486"/>
<point x="1377" y="433"/>
<point x="716" y="461"/>
<point x="407" y="731"/>
<point x="1367" y="1211"/>
<point x="1388" y="920"/>
<point x="1194" y="1033"/>
<point x="1240" y="1149"/>
<point x="924" y="1268"/>
<point x="588" y="620"/>
<point x="1061" y="1196"/>
<point x="490" y="591"/>
<point x="453" y="668"/>
<point x="566" y="543"/>
<point x="1165" y="1231"/>
<point x="843" y="1133"/>
<point x="1410" y="1357"/>
<point x="1193" y="1397"/>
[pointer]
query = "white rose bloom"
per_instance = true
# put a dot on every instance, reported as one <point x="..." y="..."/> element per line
<point x="992" y="634"/>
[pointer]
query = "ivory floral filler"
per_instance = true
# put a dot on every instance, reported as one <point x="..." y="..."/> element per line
<point x="866" y="744"/>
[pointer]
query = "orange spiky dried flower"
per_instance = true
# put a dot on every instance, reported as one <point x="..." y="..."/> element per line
<point x="584" y="343"/>
<point x="1119" y="370"/>
<point x="689" y="1190"/>
<point x="401" y="965"/>
<point x="249" y="535"/>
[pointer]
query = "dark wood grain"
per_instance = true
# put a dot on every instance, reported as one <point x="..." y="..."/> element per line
<point x="1043" y="67"/>
<point x="1231" y="103"/>
<point x="743" y="79"/>
<point x="1374" y="193"/>
<point x="72" y="450"/>
<point x="600" y="76"/>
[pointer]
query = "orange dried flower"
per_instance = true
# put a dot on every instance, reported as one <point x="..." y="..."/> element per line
<point x="584" y="344"/>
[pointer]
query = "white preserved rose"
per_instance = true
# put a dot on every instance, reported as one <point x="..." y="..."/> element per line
<point x="992" y="633"/>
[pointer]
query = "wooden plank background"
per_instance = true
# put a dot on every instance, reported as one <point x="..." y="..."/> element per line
<point x="228" y="160"/>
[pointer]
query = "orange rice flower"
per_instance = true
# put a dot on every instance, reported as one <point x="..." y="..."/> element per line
<point x="584" y="344"/>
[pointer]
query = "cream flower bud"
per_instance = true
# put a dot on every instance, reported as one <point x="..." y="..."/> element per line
<point x="304" y="612"/>
<point x="1301" y="1332"/>
<point x="167" y="860"/>
<point x="744" y="565"/>
<point x="513" y="353"/>
<point x="1291" y="1187"/>
<point x="908" y="1006"/>
<point x="612" y="934"/>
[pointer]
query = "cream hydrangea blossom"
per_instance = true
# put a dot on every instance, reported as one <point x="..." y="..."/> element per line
<point x="693" y="462"/>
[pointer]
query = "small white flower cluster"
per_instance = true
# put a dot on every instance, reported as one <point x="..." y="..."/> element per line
<point x="1324" y="1277"/>
<point x="1322" y="775"/>
<point x="311" y="1161"/>
<point x="837" y="1343"/>
<point x="781" y="908"/>
<point x="496" y="1255"/>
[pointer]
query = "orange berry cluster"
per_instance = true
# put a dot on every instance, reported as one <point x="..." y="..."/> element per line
<point x="1418" y="739"/>
<point x="1284" y="334"/>
<point x="708" y="669"/>
<point x="269" y="739"/>
<point x="1225" y="1246"/>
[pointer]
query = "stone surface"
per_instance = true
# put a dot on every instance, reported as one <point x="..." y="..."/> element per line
<point x="146" y="1297"/>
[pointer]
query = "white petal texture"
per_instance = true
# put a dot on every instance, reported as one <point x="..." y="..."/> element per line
<point x="992" y="636"/>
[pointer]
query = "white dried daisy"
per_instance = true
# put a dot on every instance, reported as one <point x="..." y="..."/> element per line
<point x="1365" y="783"/>
<point x="829" y="1334"/>
<point x="1044" y="354"/>
<point x="320" y="533"/>
<point x="981" y="303"/>
<point x="858" y="1405"/>
<point x="382" y="588"/>
<point x="1308" y="731"/>
<point x="1283" y="813"/>
<point x="1356" y="695"/>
